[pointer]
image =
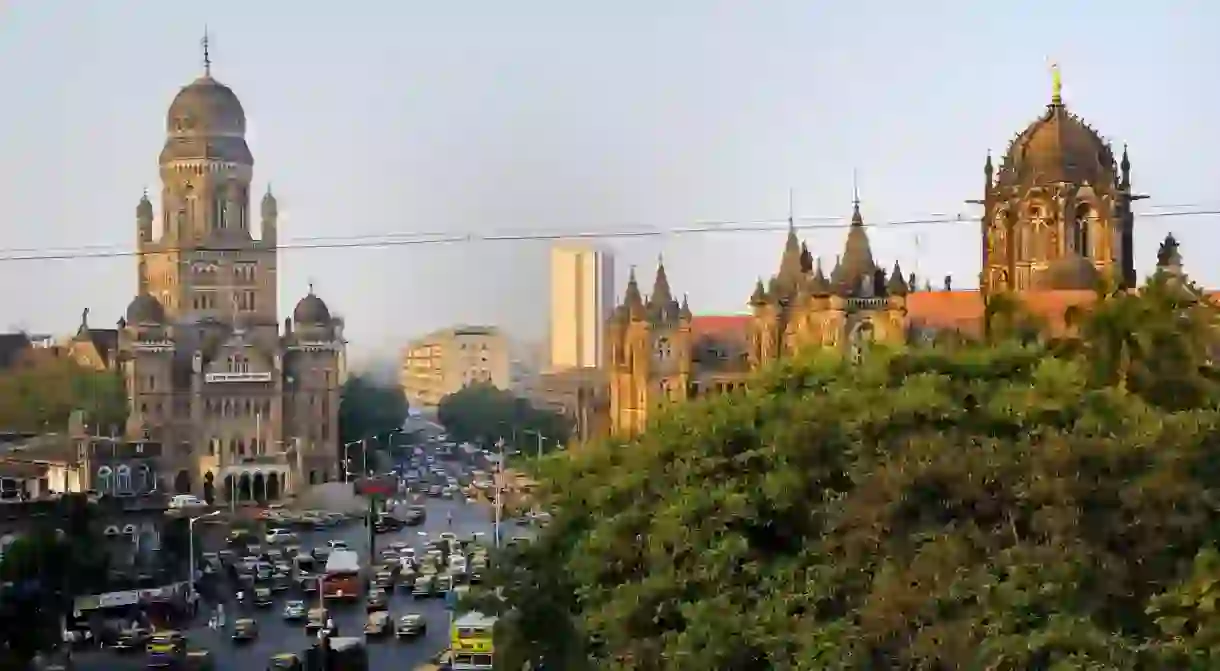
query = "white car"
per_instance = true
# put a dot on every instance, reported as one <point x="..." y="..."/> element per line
<point x="275" y="536"/>
<point x="186" y="501"/>
<point x="337" y="545"/>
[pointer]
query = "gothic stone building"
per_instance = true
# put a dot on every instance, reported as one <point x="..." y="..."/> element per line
<point x="1057" y="216"/>
<point x="242" y="407"/>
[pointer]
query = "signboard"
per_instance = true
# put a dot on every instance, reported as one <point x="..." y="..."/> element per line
<point x="376" y="486"/>
<point x="238" y="377"/>
<point x="111" y="599"/>
<point x="473" y="646"/>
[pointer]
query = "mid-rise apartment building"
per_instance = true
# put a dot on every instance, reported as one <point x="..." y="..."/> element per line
<point x="445" y="361"/>
<point x="582" y="296"/>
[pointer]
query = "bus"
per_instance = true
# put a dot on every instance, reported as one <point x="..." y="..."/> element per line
<point x="341" y="577"/>
<point x="472" y="642"/>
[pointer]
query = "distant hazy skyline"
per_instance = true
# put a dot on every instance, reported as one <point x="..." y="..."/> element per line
<point x="484" y="117"/>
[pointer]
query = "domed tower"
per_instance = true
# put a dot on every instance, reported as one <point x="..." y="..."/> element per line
<point x="206" y="170"/>
<point x="1057" y="214"/>
<point x="314" y="372"/>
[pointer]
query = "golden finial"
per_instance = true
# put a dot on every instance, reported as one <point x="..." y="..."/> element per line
<point x="207" y="54"/>
<point x="1056" y="85"/>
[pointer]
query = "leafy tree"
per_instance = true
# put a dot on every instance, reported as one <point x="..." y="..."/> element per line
<point x="483" y="413"/>
<point x="1006" y="505"/>
<point x="44" y="571"/>
<point x="41" y="391"/>
<point x="367" y="410"/>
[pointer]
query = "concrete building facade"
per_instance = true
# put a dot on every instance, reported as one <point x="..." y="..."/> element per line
<point x="582" y="299"/>
<point x="445" y="361"/>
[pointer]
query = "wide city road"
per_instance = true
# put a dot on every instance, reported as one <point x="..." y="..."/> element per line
<point x="278" y="636"/>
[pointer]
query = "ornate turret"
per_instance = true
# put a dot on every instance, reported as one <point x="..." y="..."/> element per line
<point x="806" y="260"/>
<point x="661" y="304"/>
<point x="759" y="297"/>
<point x="270" y="211"/>
<point x="790" y="262"/>
<point x="1168" y="258"/>
<point x="857" y="261"/>
<point x="144" y="218"/>
<point x="819" y="285"/>
<point x="684" y="312"/>
<point x="897" y="286"/>
<point x="633" y="301"/>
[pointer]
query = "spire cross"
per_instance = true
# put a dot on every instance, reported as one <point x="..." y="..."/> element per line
<point x="791" y="209"/>
<point x="855" y="188"/>
<point x="311" y="287"/>
<point x="207" y="54"/>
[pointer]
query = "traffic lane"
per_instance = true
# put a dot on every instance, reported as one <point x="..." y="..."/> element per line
<point x="467" y="519"/>
<point x="277" y="636"/>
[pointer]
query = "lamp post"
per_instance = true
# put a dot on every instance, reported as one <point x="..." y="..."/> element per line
<point x="499" y="478"/>
<point x="190" y="545"/>
<point x="540" y="437"/>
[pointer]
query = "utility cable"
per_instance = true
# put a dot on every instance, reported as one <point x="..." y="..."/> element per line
<point x="409" y="239"/>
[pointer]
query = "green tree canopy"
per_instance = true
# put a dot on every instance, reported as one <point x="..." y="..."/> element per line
<point x="41" y="391"/>
<point x="368" y="408"/>
<point x="1009" y="506"/>
<point x="483" y="413"/>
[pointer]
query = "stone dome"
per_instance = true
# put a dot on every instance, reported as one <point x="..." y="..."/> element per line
<point x="311" y="310"/>
<point x="1072" y="272"/>
<point x="1058" y="147"/>
<point x="145" y="309"/>
<point x="206" y="121"/>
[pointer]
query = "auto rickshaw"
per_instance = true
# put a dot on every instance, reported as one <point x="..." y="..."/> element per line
<point x="285" y="661"/>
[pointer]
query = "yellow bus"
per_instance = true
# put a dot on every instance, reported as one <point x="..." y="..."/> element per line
<point x="472" y="642"/>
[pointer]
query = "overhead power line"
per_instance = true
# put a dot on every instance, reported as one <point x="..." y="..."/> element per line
<point x="411" y="239"/>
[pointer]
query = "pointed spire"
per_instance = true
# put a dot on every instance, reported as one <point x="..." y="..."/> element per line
<point x="819" y="285"/>
<point x="1056" y="85"/>
<point x="857" y="262"/>
<point x="207" y="52"/>
<point x="856" y="219"/>
<point x="1167" y="256"/>
<point x="270" y="207"/>
<point x="806" y="260"/>
<point x="759" y="297"/>
<point x="790" y="261"/>
<point x="633" y="301"/>
<point x="988" y="169"/>
<point x="144" y="209"/>
<point x="661" y="295"/>
<point x="684" y="313"/>
<point x="897" y="286"/>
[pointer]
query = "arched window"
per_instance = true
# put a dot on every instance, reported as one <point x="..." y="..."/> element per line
<point x="105" y="480"/>
<point x="664" y="349"/>
<point x="145" y="481"/>
<point x="122" y="479"/>
<point x="1078" y="235"/>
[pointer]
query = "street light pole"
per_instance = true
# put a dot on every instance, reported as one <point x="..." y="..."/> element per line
<point x="190" y="545"/>
<point x="499" y="488"/>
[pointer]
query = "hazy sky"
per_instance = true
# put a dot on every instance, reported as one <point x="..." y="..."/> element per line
<point x="541" y="115"/>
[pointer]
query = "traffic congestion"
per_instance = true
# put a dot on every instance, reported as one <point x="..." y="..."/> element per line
<point x="268" y="588"/>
